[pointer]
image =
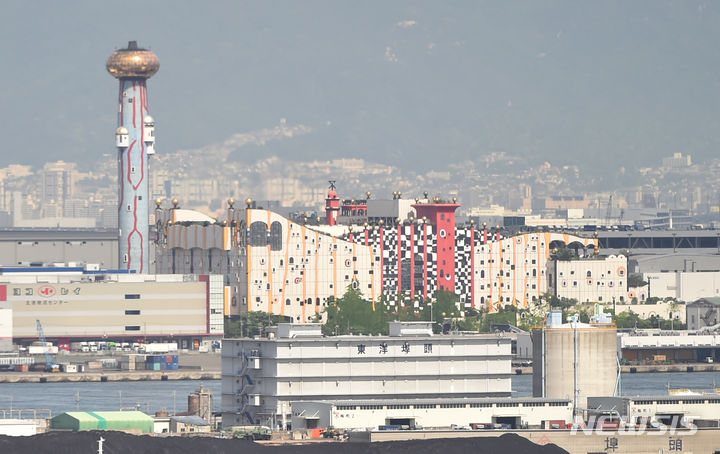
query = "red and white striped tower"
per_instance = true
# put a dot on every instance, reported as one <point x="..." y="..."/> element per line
<point x="135" y="141"/>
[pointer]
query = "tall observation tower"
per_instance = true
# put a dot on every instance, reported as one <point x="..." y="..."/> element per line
<point x="135" y="140"/>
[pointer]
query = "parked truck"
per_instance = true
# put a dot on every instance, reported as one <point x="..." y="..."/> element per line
<point x="252" y="432"/>
<point x="161" y="347"/>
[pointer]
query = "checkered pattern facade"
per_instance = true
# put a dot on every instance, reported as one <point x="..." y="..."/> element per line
<point x="278" y="266"/>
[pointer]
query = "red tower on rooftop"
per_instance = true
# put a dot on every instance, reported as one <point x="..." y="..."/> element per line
<point x="442" y="216"/>
<point x="332" y="205"/>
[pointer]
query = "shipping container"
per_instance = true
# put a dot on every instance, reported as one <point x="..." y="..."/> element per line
<point x="40" y="350"/>
<point x="109" y="363"/>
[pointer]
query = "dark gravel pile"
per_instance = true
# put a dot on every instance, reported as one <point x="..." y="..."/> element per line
<point x="118" y="442"/>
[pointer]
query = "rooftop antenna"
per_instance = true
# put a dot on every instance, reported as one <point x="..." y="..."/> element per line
<point x="332" y="184"/>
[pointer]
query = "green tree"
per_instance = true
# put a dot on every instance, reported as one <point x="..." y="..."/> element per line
<point x="635" y="280"/>
<point x="565" y="254"/>
<point x="632" y="320"/>
<point x="252" y="323"/>
<point x="444" y="309"/>
<point x="533" y="315"/>
<point x="506" y="315"/>
<point x="352" y="314"/>
<point x="558" y="303"/>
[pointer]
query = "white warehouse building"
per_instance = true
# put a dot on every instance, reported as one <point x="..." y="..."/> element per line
<point x="262" y="376"/>
<point x="684" y="286"/>
<point x="590" y="280"/>
<point x="519" y="413"/>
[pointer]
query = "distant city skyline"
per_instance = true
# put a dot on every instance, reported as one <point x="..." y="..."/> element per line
<point x="415" y="85"/>
<point x="59" y="194"/>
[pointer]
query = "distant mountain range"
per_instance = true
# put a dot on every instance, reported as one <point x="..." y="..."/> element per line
<point x="602" y="85"/>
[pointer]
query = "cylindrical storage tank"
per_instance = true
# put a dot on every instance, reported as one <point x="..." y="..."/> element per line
<point x="575" y="355"/>
<point x="193" y="404"/>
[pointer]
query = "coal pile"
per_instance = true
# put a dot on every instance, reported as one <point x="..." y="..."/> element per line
<point x="118" y="442"/>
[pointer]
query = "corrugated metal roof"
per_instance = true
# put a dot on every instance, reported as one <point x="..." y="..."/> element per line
<point x="123" y="415"/>
<point x="103" y="420"/>
<point x="191" y="420"/>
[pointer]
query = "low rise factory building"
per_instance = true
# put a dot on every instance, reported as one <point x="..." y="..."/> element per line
<point x="656" y="346"/>
<point x="126" y="421"/>
<point x="262" y="376"/>
<point x="77" y="304"/>
<point x="702" y="410"/>
<point x="484" y="413"/>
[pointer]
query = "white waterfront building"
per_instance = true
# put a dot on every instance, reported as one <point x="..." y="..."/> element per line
<point x="260" y="377"/>
<point x="527" y="412"/>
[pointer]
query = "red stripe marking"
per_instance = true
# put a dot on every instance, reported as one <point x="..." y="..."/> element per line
<point x="122" y="187"/>
<point x="142" y="137"/>
<point x="399" y="260"/>
<point x="134" y="105"/>
<point x="144" y="87"/>
<point x="472" y="267"/>
<point x="129" y="164"/>
<point x="135" y="230"/>
<point x="120" y="101"/>
<point x="412" y="261"/>
<point x="425" y="265"/>
<point x="382" y="261"/>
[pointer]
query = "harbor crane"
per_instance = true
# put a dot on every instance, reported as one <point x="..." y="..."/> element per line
<point x="50" y="364"/>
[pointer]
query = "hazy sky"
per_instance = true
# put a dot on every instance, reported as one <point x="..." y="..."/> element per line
<point x="599" y="84"/>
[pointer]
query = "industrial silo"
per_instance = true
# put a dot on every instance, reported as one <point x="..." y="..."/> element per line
<point x="575" y="360"/>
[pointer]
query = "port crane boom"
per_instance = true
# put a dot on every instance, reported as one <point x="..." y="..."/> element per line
<point x="50" y="365"/>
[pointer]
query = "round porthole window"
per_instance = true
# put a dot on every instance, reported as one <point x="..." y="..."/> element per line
<point x="443" y="233"/>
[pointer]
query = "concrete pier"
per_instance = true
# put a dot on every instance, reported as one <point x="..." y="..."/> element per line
<point x="100" y="376"/>
<point x="647" y="368"/>
<point x="687" y="367"/>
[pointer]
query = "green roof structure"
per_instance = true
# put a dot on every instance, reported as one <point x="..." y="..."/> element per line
<point x="103" y="420"/>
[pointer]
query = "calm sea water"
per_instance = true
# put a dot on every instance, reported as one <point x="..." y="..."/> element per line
<point x="151" y="396"/>
<point x="641" y="384"/>
<point x="147" y="396"/>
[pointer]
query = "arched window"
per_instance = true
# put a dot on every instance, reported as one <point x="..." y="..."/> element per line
<point x="589" y="273"/>
<point x="276" y="236"/>
<point x="258" y="234"/>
